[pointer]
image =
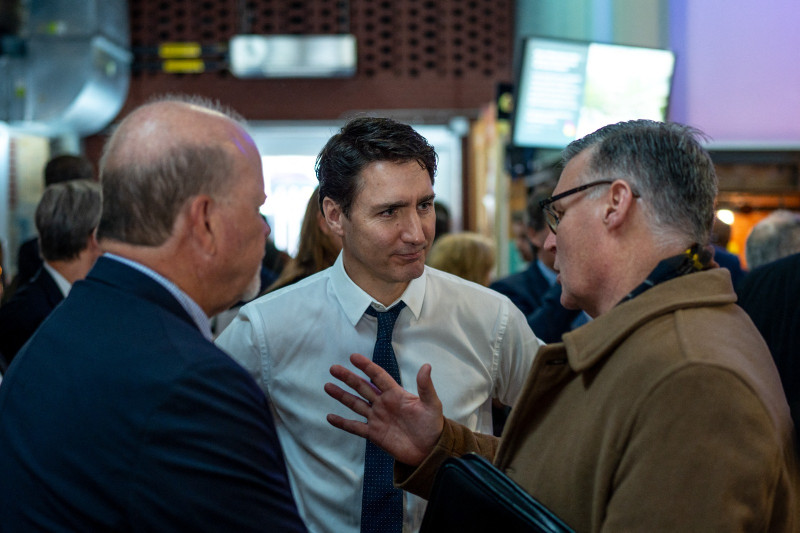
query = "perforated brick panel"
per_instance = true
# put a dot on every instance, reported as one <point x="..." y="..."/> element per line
<point x="445" y="54"/>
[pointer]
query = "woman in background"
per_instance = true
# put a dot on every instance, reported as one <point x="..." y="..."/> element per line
<point x="317" y="249"/>
<point x="466" y="254"/>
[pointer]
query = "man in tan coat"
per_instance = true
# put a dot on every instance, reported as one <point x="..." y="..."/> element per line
<point x="663" y="413"/>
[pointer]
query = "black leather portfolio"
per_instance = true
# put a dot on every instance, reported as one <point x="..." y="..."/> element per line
<point x="472" y="495"/>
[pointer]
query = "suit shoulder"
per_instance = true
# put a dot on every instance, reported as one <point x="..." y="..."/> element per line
<point x="511" y="279"/>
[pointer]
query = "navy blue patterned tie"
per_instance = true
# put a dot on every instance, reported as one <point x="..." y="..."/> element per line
<point x="381" y="502"/>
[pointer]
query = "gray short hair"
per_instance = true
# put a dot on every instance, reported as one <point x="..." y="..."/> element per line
<point x="66" y="216"/>
<point x="775" y="236"/>
<point x="665" y="164"/>
<point x="145" y="188"/>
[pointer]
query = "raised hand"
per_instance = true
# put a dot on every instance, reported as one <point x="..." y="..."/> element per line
<point x="404" y="425"/>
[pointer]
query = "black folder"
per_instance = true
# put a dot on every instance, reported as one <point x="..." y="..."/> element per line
<point x="472" y="495"/>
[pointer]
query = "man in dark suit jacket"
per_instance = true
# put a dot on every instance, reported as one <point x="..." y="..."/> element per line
<point x="59" y="169"/>
<point x="25" y="311"/>
<point x="120" y="413"/>
<point x="770" y="295"/>
<point x="66" y="219"/>
<point x="538" y="297"/>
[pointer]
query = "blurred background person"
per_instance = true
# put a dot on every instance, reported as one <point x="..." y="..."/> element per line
<point x="465" y="254"/>
<point x="317" y="249"/>
<point x="720" y="237"/>
<point x="770" y="294"/>
<point x="273" y="263"/>
<point x="775" y="236"/>
<point x="535" y="290"/>
<point x="59" y="169"/>
<point x="2" y="292"/>
<point x="2" y="273"/>
<point x="444" y="223"/>
<point x="66" y="219"/>
<point x="521" y="234"/>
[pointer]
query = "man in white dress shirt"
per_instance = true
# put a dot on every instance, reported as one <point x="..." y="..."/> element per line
<point x="376" y="192"/>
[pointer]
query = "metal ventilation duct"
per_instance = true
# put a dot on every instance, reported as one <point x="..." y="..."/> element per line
<point x="68" y="68"/>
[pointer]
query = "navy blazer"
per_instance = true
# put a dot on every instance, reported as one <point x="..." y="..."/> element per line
<point x="119" y="415"/>
<point x="539" y="301"/>
<point x="25" y="311"/>
<point x="770" y="295"/>
<point x="28" y="260"/>
<point x="726" y="259"/>
<point x="526" y="288"/>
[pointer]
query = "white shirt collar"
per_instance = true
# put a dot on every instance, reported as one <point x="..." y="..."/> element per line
<point x="63" y="285"/>
<point x="354" y="300"/>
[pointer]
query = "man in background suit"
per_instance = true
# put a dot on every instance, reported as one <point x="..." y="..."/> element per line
<point x="770" y="294"/>
<point x="534" y="290"/>
<point x="59" y="169"/>
<point x="119" y="413"/>
<point x="66" y="219"/>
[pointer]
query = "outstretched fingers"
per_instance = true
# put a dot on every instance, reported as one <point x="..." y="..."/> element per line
<point x="351" y="426"/>
<point x="382" y="380"/>
<point x="364" y="388"/>
<point x="351" y="401"/>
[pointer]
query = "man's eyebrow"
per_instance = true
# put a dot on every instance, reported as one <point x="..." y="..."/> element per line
<point x="428" y="198"/>
<point x="390" y="205"/>
<point x="397" y="205"/>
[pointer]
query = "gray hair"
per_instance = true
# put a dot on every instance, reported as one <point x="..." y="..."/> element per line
<point x="665" y="164"/>
<point x="66" y="216"/>
<point x="775" y="236"/>
<point x="145" y="183"/>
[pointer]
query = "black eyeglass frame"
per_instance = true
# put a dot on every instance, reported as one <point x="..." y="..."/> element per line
<point x="552" y="218"/>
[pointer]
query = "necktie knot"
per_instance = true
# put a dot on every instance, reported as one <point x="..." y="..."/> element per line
<point x="386" y="320"/>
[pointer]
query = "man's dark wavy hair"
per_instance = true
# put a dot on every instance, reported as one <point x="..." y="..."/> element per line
<point x="363" y="141"/>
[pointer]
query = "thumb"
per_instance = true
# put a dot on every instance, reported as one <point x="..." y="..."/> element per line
<point x="425" y="388"/>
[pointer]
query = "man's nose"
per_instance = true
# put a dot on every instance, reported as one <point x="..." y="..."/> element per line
<point x="413" y="229"/>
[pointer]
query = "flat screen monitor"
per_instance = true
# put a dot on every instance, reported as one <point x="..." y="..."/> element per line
<point x="567" y="89"/>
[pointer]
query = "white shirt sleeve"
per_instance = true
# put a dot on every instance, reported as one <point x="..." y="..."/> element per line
<point x="518" y="348"/>
<point x="240" y="340"/>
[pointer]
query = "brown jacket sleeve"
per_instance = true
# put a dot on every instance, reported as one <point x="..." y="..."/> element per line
<point x="455" y="441"/>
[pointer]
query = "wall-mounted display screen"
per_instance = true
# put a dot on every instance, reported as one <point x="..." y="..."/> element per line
<point x="566" y="89"/>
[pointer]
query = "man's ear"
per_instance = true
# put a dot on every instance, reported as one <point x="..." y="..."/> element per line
<point x="201" y="222"/>
<point x="92" y="242"/>
<point x="620" y="200"/>
<point x="333" y="215"/>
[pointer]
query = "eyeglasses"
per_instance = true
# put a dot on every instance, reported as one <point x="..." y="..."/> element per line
<point x="551" y="217"/>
